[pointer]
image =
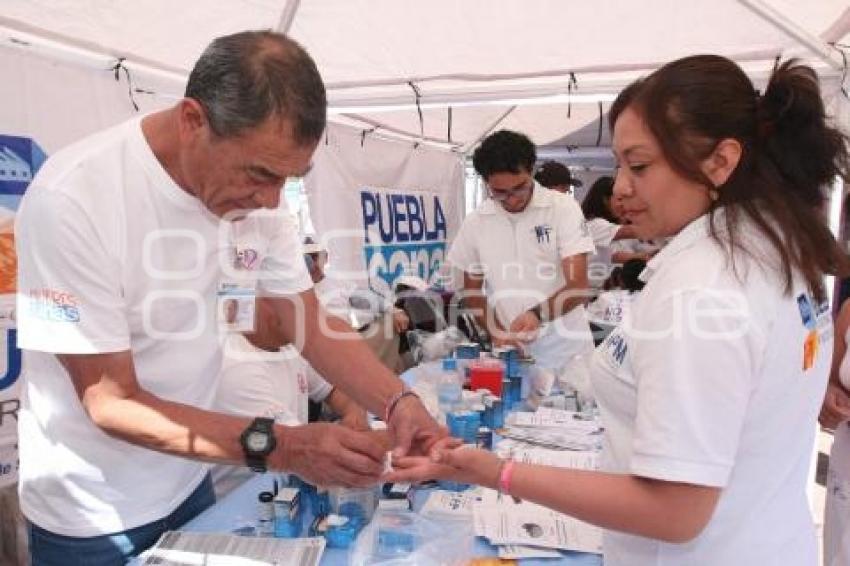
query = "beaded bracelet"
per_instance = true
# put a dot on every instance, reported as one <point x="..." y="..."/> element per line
<point x="391" y="404"/>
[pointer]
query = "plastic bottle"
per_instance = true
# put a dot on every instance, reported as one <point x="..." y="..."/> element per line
<point x="449" y="388"/>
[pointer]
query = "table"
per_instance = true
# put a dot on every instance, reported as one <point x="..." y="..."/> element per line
<point x="238" y="509"/>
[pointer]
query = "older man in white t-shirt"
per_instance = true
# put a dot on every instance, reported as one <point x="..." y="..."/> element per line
<point x="527" y="247"/>
<point x="131" y="243"/>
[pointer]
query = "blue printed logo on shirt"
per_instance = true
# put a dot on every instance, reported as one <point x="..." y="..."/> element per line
<point x="542" y="231"/>
<point x="807" y="312"/>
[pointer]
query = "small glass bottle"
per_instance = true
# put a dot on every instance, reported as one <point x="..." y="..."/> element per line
<point x="265" y="514"/>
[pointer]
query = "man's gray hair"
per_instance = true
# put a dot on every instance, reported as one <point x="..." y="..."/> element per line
<point x="243" y="79"/>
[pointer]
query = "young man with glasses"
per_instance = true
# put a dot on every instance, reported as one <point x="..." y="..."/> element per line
<point x="530" y="246"/>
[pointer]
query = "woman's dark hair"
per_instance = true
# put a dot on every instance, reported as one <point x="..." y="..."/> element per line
<point x="504" y="152"/>
<point x="630" y="275"/>
<point x="595" y="203"/>
<point x="789" y="155"/>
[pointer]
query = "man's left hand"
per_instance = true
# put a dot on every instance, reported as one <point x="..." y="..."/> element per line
<point x="525" y="327"/>
<point x="401" y="322"/>
<point x="355" y="419"/>
<point x="412" y="429"/>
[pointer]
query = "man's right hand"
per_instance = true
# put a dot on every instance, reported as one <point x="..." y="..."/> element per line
<point x="329" y="455"/>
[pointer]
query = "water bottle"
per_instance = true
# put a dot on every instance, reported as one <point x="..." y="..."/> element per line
<point x="449" y="390"/>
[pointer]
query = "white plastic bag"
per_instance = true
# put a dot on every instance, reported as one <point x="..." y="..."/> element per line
<point x="404" y="538"/>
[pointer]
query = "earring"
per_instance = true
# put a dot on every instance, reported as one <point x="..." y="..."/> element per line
<point x="713" y="194"/>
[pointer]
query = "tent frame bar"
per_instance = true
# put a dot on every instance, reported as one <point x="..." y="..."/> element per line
<point x="287" y="16"/>
<point x="821" y="49"/>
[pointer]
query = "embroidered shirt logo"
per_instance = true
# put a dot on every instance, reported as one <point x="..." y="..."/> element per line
<point x="816" y="320"/>
<point x="542" y="231"/>
<point x="53" y="305"/>
<point x="616" y="347"/>
<point x="807" y="312"/>
<point x="245" y="258"/>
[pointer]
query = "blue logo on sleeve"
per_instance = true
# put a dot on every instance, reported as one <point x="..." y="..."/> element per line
<point x="807" y="311"/>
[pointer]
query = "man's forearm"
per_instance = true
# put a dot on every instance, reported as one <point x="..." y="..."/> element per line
<point x="563" y="301"/>
<point x="476" y="302"/>
<point x="347" y="362"/>
<point x="341" y="404"/>
<point x="575" y="291"/>
<point x="182" y="430"/>
<point x="350" y="413"/>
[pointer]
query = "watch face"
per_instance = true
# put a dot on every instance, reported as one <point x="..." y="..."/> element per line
<point x="257" y="441"/>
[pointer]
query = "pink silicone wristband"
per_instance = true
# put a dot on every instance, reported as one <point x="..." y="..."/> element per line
<point x="505" y="477"/>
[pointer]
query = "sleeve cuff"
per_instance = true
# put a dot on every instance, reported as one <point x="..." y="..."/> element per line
<point x="78" y="346"/>
<point x="684" y="471"/>
<point x="579" y="248"/>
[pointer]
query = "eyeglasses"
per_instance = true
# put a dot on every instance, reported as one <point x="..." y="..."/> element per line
<point x="503" y="195"/>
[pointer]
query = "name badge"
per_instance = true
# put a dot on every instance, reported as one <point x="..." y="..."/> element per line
<point x="236" y="306"/>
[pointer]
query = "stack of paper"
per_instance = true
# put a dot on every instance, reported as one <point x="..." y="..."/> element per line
<point x="526" y="530"/>
<point x="532" y="525"/>
<point x="451" y="504"/>
<point x="554" y="428"/>
<point x="179" y="548"/>
<point x="518" y="552"/>
<point x="531" y="454"/>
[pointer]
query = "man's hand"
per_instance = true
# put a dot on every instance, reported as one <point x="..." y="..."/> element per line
<point x="500" y="339"/>
<point x="329" y="455"/>
<point x="412" y="429"/>
<point x="355" y="419"/>
<point x="401" y="322"/>
<point x="836" y="407"/>
<point x="525" y="327"/>
<point x="351" y="414"/>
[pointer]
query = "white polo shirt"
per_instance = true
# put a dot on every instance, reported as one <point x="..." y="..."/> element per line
<point x="610" y="307"/>
<point x="599" y="264"/>
<point x="115" y="256"/>
<point x="520" y="256"/>
<point x="716" y="379"/>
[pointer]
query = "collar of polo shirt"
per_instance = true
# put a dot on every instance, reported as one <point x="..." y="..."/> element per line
<point x="540" y="198"/>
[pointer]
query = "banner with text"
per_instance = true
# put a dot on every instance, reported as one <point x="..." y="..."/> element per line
<point x="383" y="208"/>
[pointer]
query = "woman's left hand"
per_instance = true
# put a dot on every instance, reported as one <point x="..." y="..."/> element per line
<point x="461" y="464"/>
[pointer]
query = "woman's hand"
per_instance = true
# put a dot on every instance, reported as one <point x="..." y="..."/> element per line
<point x="451" y="462"/>
<point x="836" y="407"/>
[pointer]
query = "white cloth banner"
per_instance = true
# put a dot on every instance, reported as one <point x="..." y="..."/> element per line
<point x="47" y="105"/>
<point x="10" y="385"/>
<point x="383" y="208"/>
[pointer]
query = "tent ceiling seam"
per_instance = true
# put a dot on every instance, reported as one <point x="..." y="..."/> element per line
<point x="492" y="127"/>
<point x="94" y="49"/>
<point x="400" y="132"/>
<point x="748" y="56"/>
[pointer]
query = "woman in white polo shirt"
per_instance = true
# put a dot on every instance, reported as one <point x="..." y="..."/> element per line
<point x="710" y="391"/>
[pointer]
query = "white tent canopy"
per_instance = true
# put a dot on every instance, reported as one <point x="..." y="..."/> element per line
<point x="545" y="67"/>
